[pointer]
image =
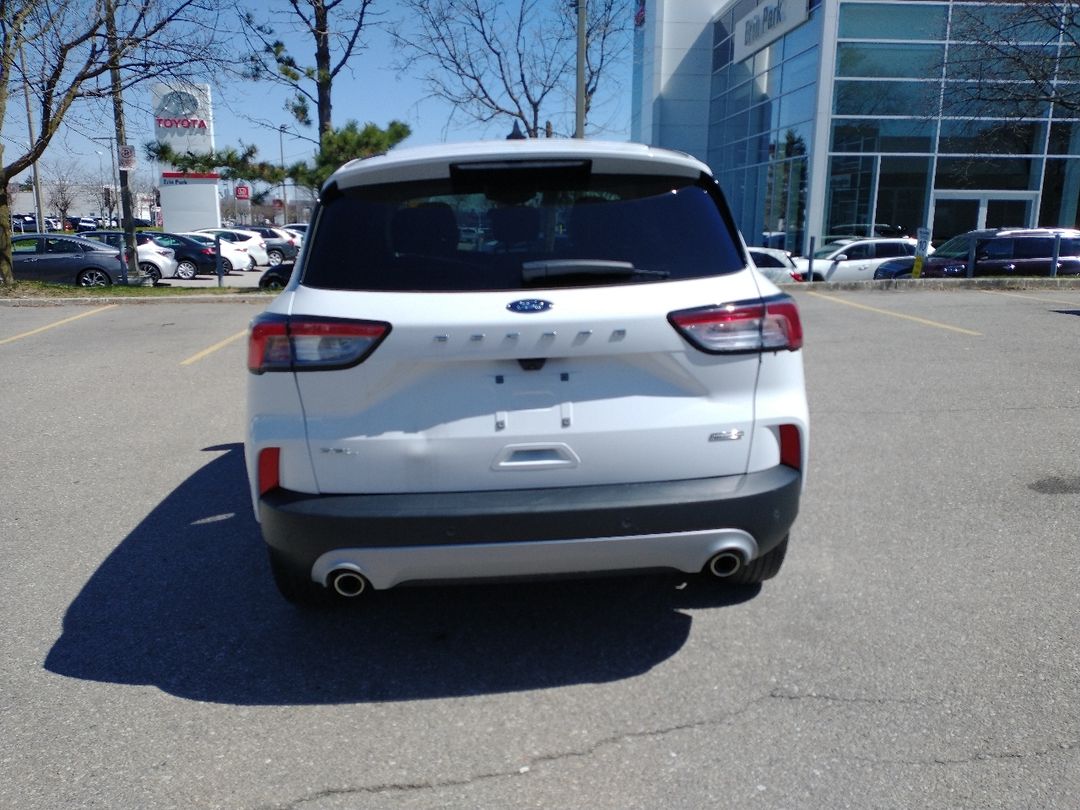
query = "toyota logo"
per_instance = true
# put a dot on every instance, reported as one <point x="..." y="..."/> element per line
<point x="177" y="104"/>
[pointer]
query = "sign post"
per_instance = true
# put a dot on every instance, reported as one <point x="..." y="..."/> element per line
<point x="922" y="247"/>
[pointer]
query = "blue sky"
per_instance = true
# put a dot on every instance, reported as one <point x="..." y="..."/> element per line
<point x="374" y="92"/>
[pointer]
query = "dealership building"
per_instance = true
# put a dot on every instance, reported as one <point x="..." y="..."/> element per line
<point x="821" y="117"/>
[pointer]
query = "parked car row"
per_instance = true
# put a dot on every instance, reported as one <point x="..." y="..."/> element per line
<point x="996" y="252"/>
<point x="27" y="223"/>
<point x="268" y="246"/>
<point x="993" y="251"/>
<point x="93" y="257"/>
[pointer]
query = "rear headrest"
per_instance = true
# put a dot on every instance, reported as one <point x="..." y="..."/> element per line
<point x="519" y="225"/>
<point x="429" y="229"/>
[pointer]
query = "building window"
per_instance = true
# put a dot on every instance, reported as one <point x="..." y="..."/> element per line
<point x="889" y="60"/>
<point x="903" y="192"/>
<point x="883" y="135"/>
<point x="850" y="190"/>
<point x="885" y="98"/>
<point x="1061" y="194"/>
<point x="998" y="173"/>
<point x="875" y="21"/>
<point x="993" y="137"/>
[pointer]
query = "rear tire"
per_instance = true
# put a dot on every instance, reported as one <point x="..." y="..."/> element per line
<point x="297" y="586"/>
<point x="148" y="269"/>
<point x="764" y="567"/>
<point x="93" y="278"/>
<point x="186" y="270"/>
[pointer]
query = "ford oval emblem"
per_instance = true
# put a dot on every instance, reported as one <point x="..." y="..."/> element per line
<point x="528" y="305"/>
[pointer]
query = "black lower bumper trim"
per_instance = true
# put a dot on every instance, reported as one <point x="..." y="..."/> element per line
<point x="302" y="527"/>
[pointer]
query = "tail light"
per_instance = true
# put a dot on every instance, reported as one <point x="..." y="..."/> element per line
<point x="770" y="324"/>
<point x="298" y="343"/>
<point x="208" y="251"/>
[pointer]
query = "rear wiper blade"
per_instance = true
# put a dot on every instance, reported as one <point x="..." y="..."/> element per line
<point x="561" y="268"/>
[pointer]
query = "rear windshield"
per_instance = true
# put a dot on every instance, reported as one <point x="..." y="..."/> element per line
<point x="513" y="229"/>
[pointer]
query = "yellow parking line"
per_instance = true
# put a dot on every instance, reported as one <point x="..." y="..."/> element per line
<point x="57" y="323"/>
<point x="923" y="321"/>
<point x="195" y="358"/>
<point x="1033" y="297"/>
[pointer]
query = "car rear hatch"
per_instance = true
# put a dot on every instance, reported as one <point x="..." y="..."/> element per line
<point x="522" y="324"/>
<point x="483" y="393"/>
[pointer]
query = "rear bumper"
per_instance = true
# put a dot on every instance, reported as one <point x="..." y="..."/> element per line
<point x="397" y="538"/>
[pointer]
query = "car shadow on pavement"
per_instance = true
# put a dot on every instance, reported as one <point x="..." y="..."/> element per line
<point x="186" y="603"/>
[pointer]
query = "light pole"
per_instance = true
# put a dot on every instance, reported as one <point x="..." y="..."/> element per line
<point x="113" y="197"/>
<point x="41" y="226"/>
<point x="101" y="177"/>
<point x="579" y="123"/>
<point x="284" y="195"/>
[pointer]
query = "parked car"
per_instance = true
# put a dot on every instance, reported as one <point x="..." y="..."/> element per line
<point x="1007" y="252"/>
<point x="901" y="267"/>
<point x="64" y="259"/>
<point x="776" y="265"/>
<point x="862" y="230"/>
<point x="24" y="223"/>
<point x="233" y="255"/>
<point x="296" y="236"/>
<point x="275" y="278"/>
<point x="854" y="259"/>
<point x="192" y="256"/>
<point x="301" y="227"/>
<point x="418" y="411"/>
<point x="154" y="261"/>
<point x="251" y="241"/>
<point x="280" y="245"/>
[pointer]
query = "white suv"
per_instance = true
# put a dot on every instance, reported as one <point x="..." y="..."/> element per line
<point x="854" y="259"/>
<point x="602" y="384"/>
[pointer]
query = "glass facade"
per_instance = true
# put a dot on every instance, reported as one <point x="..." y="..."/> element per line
<point x="761" y="127"/>
<point x="908" y="139"/>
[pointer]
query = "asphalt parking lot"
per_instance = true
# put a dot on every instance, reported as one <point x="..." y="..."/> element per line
<point x="919" y="649"/>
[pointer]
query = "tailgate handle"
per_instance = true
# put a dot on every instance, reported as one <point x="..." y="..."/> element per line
<point x="535" y="457"/>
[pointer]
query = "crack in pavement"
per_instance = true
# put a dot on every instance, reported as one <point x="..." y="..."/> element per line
<point x="618" y="739"/>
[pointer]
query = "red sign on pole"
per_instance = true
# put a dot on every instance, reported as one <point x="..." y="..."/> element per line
<point x="243" y="193"/>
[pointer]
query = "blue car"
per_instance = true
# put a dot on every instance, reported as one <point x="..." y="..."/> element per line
<point x="895" y="268"/>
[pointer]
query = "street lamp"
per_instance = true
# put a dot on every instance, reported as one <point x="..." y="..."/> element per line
<point x="101" y="176"/>
<point x="284" y="180"/>
<point x="112" y="167"/>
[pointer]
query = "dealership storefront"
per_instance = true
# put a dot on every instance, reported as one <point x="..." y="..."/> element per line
<point x="827" y="116"/>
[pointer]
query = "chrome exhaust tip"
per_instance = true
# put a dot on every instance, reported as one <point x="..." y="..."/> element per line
<point x="726" y="563"/>
<point x="347" y="583"/>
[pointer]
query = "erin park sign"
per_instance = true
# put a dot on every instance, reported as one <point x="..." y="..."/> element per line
<point x="766" y="24"/>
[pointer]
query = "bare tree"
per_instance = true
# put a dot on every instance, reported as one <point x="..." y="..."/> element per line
<point x="61" y="53"/>
<point x="492" y="59"/>
<point x="1012" y="60"/>
<point x="62" y="189"/>
<point x="333" y="28"/>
